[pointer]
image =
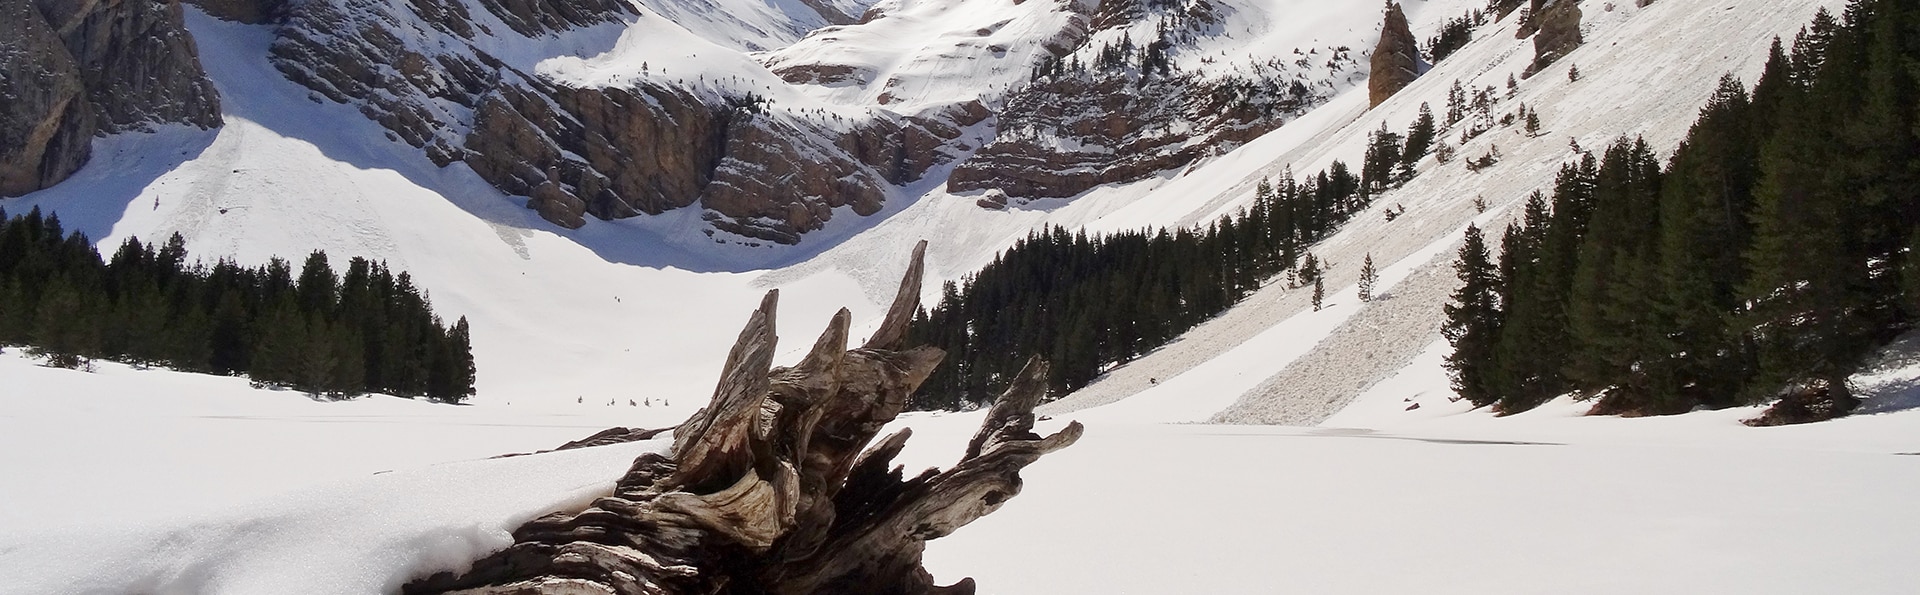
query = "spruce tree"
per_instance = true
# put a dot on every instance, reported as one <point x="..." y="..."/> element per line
<point x="1420" y="137"/>
<point x="1805" y="310"/>
<point x="1527" y="358"/>
<point x="1383" y="155"/>
<point x="1367" y="278"/>
<point x="1705" y="195"/>
<point x="1456" y="104"/>
<point x="1473" y="321"/>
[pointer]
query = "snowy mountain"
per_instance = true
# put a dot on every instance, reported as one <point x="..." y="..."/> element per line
<point x="605" y="188"/>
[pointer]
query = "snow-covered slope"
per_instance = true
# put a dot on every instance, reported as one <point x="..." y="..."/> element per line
<point x="617" y="309"/>
<point x="1645" y="72"/>
<point x="157" y="482"/>
<point x="916" y="54"/>
<point x="151" y="481"/>
<point x="613" y="311"/>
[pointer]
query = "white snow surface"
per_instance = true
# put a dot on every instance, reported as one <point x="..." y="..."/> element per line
<point x="124" y="480"/>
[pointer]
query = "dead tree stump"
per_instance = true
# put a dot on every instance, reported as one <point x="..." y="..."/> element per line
<point x="767" y="489"/>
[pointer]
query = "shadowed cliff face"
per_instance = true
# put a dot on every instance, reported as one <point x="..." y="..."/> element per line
<point x="72" y="69"/>
<point x="612" y="152"/>
<point x="427" y="71"/>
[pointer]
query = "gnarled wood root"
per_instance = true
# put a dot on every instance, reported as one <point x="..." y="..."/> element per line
<point x="767" y="490"/>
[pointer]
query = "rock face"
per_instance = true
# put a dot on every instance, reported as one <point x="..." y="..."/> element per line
<point x="1559" y="24"/>
<point x="1555" y="27"/>
<point x="1127" y="114"/>
<point x="137" y="61"/>
<point x="1065" y="135"/>
<point x="44" y="119"/>
<point x="1396" y="59"/>
<point x="611" y="152"/>
<point x="73" y="69"/>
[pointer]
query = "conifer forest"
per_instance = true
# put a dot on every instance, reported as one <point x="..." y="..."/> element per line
<point x="1778" y="247"/>
<point x="330" y="335"/>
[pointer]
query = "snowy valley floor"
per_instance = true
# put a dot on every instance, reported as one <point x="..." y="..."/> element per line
<point x="154" y="481"/>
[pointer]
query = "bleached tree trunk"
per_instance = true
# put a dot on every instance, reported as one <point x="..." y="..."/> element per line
<point x="767" y="489"/>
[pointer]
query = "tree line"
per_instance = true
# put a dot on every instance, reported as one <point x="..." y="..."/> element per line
<point x="327" y="334"/>
<point x="1777" y="248"/>
<point x="1090" y="302"/>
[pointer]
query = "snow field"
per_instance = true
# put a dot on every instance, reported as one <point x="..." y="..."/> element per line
<point x="191" y="484"/>
<point x="152" y="481"/>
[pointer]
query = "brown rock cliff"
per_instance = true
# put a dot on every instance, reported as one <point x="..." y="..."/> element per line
<point x="1396" y="59"/>
<point x="74" y="69"/>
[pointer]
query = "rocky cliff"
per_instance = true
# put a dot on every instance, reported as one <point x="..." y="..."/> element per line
<point x="45" y="121"/>
<point x="72" y="69"/>
<point x="1558" y="22"/>
<point x="612" y="151"/>
<point x="1066" y="135"/>
<point x="1555" y="27"/>
<point x="1396" y="59"/>
<point x="1112" y="122"/>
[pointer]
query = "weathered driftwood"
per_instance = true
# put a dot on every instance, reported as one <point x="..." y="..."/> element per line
<point x="767" y="490"/>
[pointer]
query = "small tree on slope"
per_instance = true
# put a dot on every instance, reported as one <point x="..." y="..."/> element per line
<point x="1367" y="278"/>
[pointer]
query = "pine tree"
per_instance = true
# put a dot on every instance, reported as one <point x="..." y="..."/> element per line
<point x="62" y="329"/>
<point x="1383" y="154"/>
<point x="1309" y="270"/>
<point x="1806" y="309"/>
<point x="1527" y="356"/>
<point x="1614" y="284"/>
<point x="1420" y="137"/>
<point x="1319" y="293"/>
<point x="1473" y="321"/>
<point x="1704" y="196"/>
<point x="1456" y="104"/>
<point x="1367" y="278"/>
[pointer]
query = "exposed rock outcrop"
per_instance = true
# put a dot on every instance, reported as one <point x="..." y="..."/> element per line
<point x="1555" y="27"/>
<point x="73" y="69"/>
<point x="1126" y="112"/>
<point x="641" y="147"/>
<point x="1396" y="59"/>
<point x="1559" y="31"/>
<point x="45" y="121"/>
<point x="611" y="153"/>
<point x="1063" y="136"/>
